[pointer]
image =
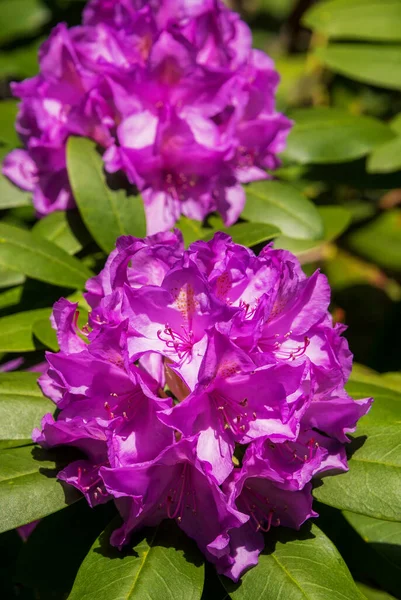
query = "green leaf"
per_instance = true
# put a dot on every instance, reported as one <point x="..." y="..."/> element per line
<point x="106" y="213"/>
<point x="8" y="114"/>
<point x="77" y="526"/>
<point x="40" y="259"/>
<point x="191" y="230"/>
<point x="383" y="536"/>
<point x="376" y="20"/>
<point x="28" y="486"/>
<point x="12" y="196"/>
<point x="16" y="331"/>
<point x="21" y="17"/>
<point x="163" y="563"/>
<point x="335" y="221"/>
<point x="11" y="297"/>
<point x="22" y="405"/>
<point x="372" y="486"/>
<point x="247" y="234"/>
<point x="330" y="135"/>
<point x="45" y="333"/>
<point x="369" y="63"/>
<point x="296" y="566"/>
<point x="284" y="206"/>
<point x="65" y="229"/>
<point x="380" y="240"/>
<point x="21" y="62"/>
<point x="9" y="278"/>
<point x="386" y="158"/>
<point x="373" y="593"/>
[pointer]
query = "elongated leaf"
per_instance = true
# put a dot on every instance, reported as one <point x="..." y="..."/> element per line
<point x="65" y="229"/>
<point x="247" y="234"/>
<point x="21" y="62"/>
<point x="374" y="594"/>
<point x="335" y="221"/>
<point x="28" y="487"/>
<point x="43" y="330"/>
<point x="383" y="536"/>
<point x="282" y="205"/>
<point x="11" y="196"/>
<point x="20" y="17"/>
<point x="8" y="113"/>
<point x="329" y="135"/>
<point x="60" y="541"/>
<point x="296" y="566"/>
<point x="106" y="213"/>
<point x="372" y="486"/>
<point x="9" y="278"/>
<point x="22" y="405"/>
<point x="369" y="63"/>
<point x="191" y="230"/>
<point x="386" y="158"/>
<point x="376" y="20"/>
<point x="380" y="240"/>
<point x="40" y="259"/>
<point x="164" y="563"/>
<point x="16" y="331"/>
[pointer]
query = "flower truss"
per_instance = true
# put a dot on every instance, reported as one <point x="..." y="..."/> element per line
<point x="174" y="94"/>
<point x="207" y="387"/>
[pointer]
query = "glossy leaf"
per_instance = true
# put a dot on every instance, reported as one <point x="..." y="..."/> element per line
<point x="65" y="229"/>
<point x="373" y="593"/>
<point x="191" y="230"/>
<point x="283" y="206"/>
<point x="380" y="240"/>
<point x="43" y="330"/>
<point x="375" y="64"/>
<point x="329" y="135"/>
<point x="21" y="17"/>
<point x="11" y="196"/>
<point x="376" y="20"/>
<point x="296" y="566"/>
<point x="8" y="113"/>
<point x="40" y="259"/>
<point x="247" y="234"/>
<point x="22" y="406"/>
<point x="372" y="486"/>
<point x="386" y="158"/>
<point x="9" y="278"/>
<point x="106" y="213"/>
<point x="383" y="536"/>
<point x="335" y="221"/>
<point x="21" y="62"/>
<point x="28" y="486"/>
<point x="163" y="564"/>
<point x="16" y="331"/>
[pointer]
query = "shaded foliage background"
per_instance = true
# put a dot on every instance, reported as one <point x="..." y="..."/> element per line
<point x="337" y="206"/>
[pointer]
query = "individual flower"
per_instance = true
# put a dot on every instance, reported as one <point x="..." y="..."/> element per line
<point x="207" y="387"/>
<point x="173" y="94"/>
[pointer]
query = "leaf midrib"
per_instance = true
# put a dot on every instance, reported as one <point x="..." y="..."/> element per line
<point x="283" y="208"/>
<point x="108" y="195"/>
<point x="43" y="254"/>
<point x="290" y="577"/>
<point x="141" y="566"/>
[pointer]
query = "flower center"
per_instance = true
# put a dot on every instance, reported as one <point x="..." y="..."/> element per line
<point x="275" y="344"/>
<point x="259" y="508"/>
<point x="232" y="413"/>
<point x="181" y="496"/>
<point x="178" y="184"/>
<point x="178" y="343"/>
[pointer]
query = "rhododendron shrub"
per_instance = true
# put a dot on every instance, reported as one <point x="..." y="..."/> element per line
<point x="207" y="387"/>
<point x="173" y="94"/>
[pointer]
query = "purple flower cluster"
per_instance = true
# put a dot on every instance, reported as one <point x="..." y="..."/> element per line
<point x="207" y="387"/>
<point x="170" y="89"/>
